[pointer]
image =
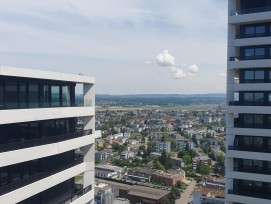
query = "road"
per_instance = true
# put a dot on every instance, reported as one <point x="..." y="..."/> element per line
<point x="186" y="196"/>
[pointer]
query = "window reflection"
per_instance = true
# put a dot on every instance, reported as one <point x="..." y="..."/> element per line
<point x="55" y="96"/>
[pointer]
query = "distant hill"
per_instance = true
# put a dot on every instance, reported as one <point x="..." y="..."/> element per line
<point x="159" y="99"/>
<point x="218" y="95"/>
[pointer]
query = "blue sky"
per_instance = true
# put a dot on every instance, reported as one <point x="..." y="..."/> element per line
<point x="130" y="46"/>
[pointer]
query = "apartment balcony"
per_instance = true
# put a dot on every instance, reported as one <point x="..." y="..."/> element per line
<point x="250" y="148"/>
<point x="36" y="114"/>
<point x="42" y="141"/>
<point x="233" y="152"/>
<point x="255" y="57"/>
<point x="27" y="187"/>
<point x="48" y="147"/>
<point x="249" y="62"/>
<point x="235" y="107"/>
<point x="249" y="40"/>
<point x="79" y="196"/>
<point x="249" y="15"/>
<point x="263" y="86"/>
<point x="250" y="11"/>
<point x="252" y="170"/>
<point x="239" y="103"/>
<point x="248" y="195"/>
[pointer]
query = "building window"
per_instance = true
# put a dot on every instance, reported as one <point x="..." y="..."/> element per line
<point x="46" y="96"/>
<point x="22" y="95"/>
<point x="249" y="76"/>
<point x="248" y="120"/>
<point x="2" y="95"/>
<point x="33" y="95"/>
<point x="248" y="98"/>
<point x="66" y="98"/>
<point x="259" y="76"/>
<point x="11" y="95"/>
<point x="55" y="96"/>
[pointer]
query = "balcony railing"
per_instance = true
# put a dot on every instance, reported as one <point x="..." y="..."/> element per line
<point x="248" y="11"/>
<point x="251" y="148"/>
<point x="251" y="194"/>
<point x="39" y="176"/>
<point x="253" y="35"/>
<point x="239" y="103"/>
<point x="52" y="104"/>
<point x="253" y="170"/>
<point x="42" y="141"/>
<point x="255" y="57"/>
<point x="76" y="195"/>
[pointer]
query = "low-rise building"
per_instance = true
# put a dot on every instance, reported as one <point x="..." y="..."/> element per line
<point x="139" y="174"/>
<point x="102" y="155"/>
<point x="202" y="159"/>
<point x="183" y="143"/>
<point x="107" y="171"/>
<point x="143" y="195"/>
<point x="167" y="178"/>
<point x="206" y="195"/>
<point x="103" y="194"/>
<point x="163" y="146"/>
<point x="127" y="154"/>
<point x="177" y="162"/>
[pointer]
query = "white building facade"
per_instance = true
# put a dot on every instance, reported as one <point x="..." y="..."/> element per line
<point x="248" y="158"/>
<point x="40" y="129"/>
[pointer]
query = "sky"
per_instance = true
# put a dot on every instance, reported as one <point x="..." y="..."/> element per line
<point x="129" y="46"/>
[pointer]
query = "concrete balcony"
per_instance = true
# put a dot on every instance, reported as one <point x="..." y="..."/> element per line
<point x="41" y="182"/>
<point x="248" y="155"/>
<point x="248" y="198"/>
<point x="27" y="154"/>
<point x="239" y="64"/>
<point x="239" y="42"/>
<point x="248" y="109"/>
<point x="26" y="115"/>
<point x="242" y="16"/>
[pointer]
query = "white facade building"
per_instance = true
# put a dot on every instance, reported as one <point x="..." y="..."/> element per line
<point x="248" y="158"/>
<point x="39" y="133"/>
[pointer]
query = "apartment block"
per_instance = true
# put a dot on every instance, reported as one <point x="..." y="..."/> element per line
<point x="41" y="127"/>
<point x="248" y="157"/>
<point x="163" y="146"/>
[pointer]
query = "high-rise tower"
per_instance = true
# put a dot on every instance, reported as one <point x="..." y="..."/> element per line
<point x="248" y="157"/>
<point x="42" y="129"/>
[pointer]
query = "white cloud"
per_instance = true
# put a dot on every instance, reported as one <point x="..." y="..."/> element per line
<point x="193" y="68"/>
<point x="165" y="59"/>
<point x="179" y="74"/>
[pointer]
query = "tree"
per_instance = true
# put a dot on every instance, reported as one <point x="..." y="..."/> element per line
<point x="203" y="169"/>
<point x="165" y="200"/>
<point x="193" y="153"/>
<point x="187" y="159"/>
<point x="142" y="148"/>
<point x="182" y="153"/>
<point x="165" y="160"/>
<point x="158" y="165"/>
<point x="220" y="159"/>
<point x="173" y="145"/>
<point x="118" y="148"/>
<point x="174" y="194"/>
<point x="179" y="184"/>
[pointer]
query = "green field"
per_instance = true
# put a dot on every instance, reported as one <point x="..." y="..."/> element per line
<point x="203" y="107"/>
